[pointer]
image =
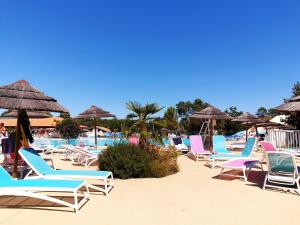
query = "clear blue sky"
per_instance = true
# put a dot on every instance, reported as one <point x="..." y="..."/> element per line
<point x="228" y="53"/>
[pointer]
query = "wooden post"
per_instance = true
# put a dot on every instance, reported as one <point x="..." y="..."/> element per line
<point x="17" y="141"/>
<point x="246" y="132"/>
<point x="256" y="130"/>
<point x="211" y="133"/>
<point x="95" y="123"/>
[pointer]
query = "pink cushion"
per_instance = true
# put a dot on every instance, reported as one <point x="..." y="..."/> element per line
<point x="197" y="145"/>
<point x="239" y="163"/>
<point x="268" y="146"/>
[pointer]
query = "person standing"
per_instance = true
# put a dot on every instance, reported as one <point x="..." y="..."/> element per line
<point x="2" y="130"/>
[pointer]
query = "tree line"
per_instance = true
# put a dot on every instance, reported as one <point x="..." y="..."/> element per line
<point x="177" y="118"/>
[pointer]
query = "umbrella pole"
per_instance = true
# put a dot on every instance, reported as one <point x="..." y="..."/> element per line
<point x="211" y="133"/>
<point x="256" y="130"/>
<point x="95" y="123"/>
<point x="247" y="132"/>
<point x="16" y="154"/>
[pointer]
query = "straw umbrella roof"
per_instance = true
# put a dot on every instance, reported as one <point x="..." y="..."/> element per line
<point x="94" y="112"/>
<point x="21" y="95"/>
<point x="291" y="105"/>
<point x="248" y="118"/>
<point x="211" y="112"/>
<point x="31" y="114"/>
<point x="295" y="99"/>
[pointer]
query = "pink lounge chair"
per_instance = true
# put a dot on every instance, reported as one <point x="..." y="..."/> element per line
<point x="240" y="164"/>
<point x="197" y="148"/>
<point x="268" y="146"/>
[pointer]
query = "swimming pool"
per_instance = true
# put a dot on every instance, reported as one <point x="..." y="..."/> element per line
<point x="89" y="141"/>
<point x="80" y="141"/>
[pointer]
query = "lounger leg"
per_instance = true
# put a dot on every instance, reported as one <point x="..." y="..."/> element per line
<point x="105" y="187"/>
<point x="112" y="180"/>
<point x="261" y="166"/>
<point x="92" y="161"/>
<point x="221" y="172"/>
<point x="265" y="182"/>
<point x="52" y="164"/>
<point x="75" y="202"/>
<point x="28" y="174"/>
<point x="213" y="164"/>
<point x="298" y="189"/>
<point x="245" y="174"/>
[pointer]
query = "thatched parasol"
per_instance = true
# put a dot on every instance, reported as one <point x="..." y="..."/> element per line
<point x="211" y="113"/>
<point x="95" y="113"/>
<point x="291" y="105"/>
<point x="22" y="96"/>
<point x="31" y="114"/>
<point x="248" y="118"/>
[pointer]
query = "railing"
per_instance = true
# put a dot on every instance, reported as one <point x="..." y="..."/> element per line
<point x="284" y="138"/>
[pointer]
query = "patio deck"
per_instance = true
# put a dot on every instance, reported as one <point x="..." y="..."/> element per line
<point x="193" y="196"/>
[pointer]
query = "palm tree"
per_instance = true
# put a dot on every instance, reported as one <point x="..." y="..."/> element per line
<point x="145" y="124"/>
<point x="171" y="119"/>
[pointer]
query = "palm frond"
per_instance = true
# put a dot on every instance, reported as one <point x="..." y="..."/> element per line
<point x="132" y="116"/>
<point x="134" y="107"/>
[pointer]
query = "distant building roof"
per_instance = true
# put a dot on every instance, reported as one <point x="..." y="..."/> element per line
<point x="45" y="122"/>
<point x="279" y="119"/>
<point x="103" y="129"/>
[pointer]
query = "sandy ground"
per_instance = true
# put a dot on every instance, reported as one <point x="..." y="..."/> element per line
<point x="193" y="196"/>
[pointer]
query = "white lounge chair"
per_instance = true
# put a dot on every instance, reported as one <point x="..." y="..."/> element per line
<point x="282" y="172"/>
<point x="31" y="188"/>
<point x="178" y="143"/>
<point x="81" y="155"/>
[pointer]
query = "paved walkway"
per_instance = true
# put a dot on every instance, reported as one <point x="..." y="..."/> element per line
<point x="193" y="196"/>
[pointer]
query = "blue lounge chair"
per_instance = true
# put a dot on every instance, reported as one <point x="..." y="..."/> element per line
<point x="246" y="153"/>
<point x="30" y="188"/>
<point x="43" y="170"/>
<point x="282" y="172"/>
<point x="219" y="145"/>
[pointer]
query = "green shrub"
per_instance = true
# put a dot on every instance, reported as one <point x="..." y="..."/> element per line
<point x="68" y="128"/>
<point x="131" y="161"/>
<point x="125" y="161"/>
<point x="163" y="163"/>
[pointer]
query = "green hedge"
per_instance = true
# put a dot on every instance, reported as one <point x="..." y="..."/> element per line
<point x="131" y="161"/>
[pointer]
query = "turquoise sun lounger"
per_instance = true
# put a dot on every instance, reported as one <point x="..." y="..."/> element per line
<point x="30" y="188"/>
<point x="43" y="170"/>
<point x="219" y="145"/>
<point x="246" y="153"/>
